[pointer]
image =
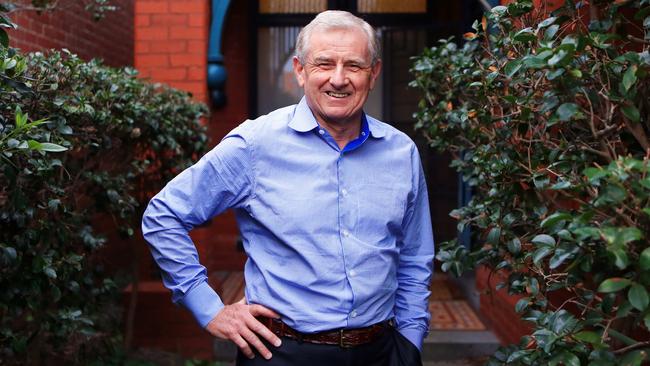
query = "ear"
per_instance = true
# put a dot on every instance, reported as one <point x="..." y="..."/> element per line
<point x="374" y="73"/>
<point x="298" y="70"/>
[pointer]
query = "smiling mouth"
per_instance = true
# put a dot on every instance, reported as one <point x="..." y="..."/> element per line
<point x="337" y="95"/>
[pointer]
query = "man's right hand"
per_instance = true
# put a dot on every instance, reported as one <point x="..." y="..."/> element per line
<point x="237" y="323"/>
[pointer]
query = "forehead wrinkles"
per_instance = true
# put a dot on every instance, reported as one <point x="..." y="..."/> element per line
<point x="331" y="47"/>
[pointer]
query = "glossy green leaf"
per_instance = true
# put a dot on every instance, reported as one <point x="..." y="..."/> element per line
<point x="540" y="254"/>
<point x="588" y="336"/>
<point x="4" y="38"/>
<point x="554" y="74"/>
<point x="525" y="35"/>
<point x="631" y="113"/>
<point x="638" y="297"/>
<point x="514" y="246"/>
<point x="562" y="253"/>
<point x="634" y="358"/>
<point x="49" y="272"/>
<point x="614" y="284"/>
<point x="494" y="235"/>
<point x="512" y="67"/>
<point x="629" y="78"/>
<point x="10" y="253"/>
<point x="554" y="219"/>
<point x="594" y="174"/>
<point x="551" y="31"/>
<point x="621" y="259"/>
<point x="50" y="147"/>
<point x="522" y="304"/>
<point x="624" y="309"/>
<point x="543" y="240"/>
<point x="644" y="259"/>
<point x="619" y="236"/>
<point x="567" y="111"/>
<point x="546" y="22"/>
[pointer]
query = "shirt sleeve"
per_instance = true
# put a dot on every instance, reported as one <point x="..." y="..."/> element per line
<point x="415" y="262"/>
<point x="222" y="179"/>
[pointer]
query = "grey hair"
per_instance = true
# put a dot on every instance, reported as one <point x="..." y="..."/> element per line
<point x="332" y="19"/>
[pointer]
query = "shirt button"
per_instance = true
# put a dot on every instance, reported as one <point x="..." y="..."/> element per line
<point x="344" y="192"/>
<point x="345" y="233"/>
<point x="353" y="314"/>
<point x="353" y="273"/>
<point x="363" y="133"/>
<point x="321" y="132"/>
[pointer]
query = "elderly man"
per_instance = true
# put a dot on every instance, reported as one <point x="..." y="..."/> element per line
<point x="333" y="210"/>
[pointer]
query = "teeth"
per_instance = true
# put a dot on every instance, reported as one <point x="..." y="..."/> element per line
<point x="337" y="95"/>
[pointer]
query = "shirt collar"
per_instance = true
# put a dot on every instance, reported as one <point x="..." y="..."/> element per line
<point x="303" y="120"/>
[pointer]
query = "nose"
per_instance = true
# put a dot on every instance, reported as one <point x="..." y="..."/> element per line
<point x="339" y="78"/>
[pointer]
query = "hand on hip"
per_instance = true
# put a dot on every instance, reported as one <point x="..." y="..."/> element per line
<point x="237" y="323"/>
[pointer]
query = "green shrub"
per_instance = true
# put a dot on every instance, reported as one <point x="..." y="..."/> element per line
<point x="548" y="119"/>
<point x="82" y="148"/>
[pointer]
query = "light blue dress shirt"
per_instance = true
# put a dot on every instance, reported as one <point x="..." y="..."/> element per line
<point x="334" y="238"/>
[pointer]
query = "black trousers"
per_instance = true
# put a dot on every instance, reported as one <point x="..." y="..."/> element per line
<point x="391" y="349"/>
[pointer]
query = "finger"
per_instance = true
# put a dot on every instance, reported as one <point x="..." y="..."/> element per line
<point x="257" y="309"/>
<point x="254" y="341"/>
<point x="263" y="331"/>
<point x="243" y="346"/>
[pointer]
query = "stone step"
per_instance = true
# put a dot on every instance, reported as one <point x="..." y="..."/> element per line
<point x="450" y="345"/>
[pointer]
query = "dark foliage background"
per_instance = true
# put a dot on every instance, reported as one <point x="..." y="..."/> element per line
<point x="82" y="148"/>
<point x="547" y="115"/>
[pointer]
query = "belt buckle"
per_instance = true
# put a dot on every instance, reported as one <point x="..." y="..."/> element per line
<point x="342" y="343"/>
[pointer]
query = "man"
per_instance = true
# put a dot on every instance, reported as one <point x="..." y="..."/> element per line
<point x="333" y="210"/>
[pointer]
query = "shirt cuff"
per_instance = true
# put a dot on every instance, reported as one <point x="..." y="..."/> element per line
<point x="203" y="302"/>
<point x="414" y="336"/>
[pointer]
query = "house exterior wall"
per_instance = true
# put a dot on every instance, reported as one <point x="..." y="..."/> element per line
<point x="171" y="43"/>
<point x="71" y="26"/>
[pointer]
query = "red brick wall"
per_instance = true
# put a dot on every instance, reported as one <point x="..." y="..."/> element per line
<point x="219" y="238"/>
<point x="171" y="42"/>
<point x="70" y="26"/>
<point x="498" y="308"/>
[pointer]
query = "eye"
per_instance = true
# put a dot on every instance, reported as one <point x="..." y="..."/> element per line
<point x="325" y="65"/>
<point x="353" y="67"/>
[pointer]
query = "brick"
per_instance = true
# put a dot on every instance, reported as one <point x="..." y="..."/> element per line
<point x="196" y="73"/>
<point x="198" y="20"/>
<point x="151" y="7"/>
<point x="151" y="60"/>
<point x="142" y="47"/>
<point x="197" y="47"/>
<point x="168" y="74"/>
<point x="187" y="60"/>
<point x="187" y="33"/>
<point x="152" y="33"/>
<point x="169" y="19"/>
<point x="176" y="46"/>
<point x="142" y="20"/>
<point x="189" y="6"/>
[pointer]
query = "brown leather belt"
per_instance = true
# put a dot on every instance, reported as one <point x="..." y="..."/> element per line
<point x="345" y="338"/>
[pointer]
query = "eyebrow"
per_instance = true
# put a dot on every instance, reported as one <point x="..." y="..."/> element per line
<point x="347" y="62"/>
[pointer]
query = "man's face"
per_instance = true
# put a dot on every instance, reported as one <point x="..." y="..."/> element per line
<point x="337" y="75"/>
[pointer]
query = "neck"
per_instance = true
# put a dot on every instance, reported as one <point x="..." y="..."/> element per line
<point x="343" y="132"/>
